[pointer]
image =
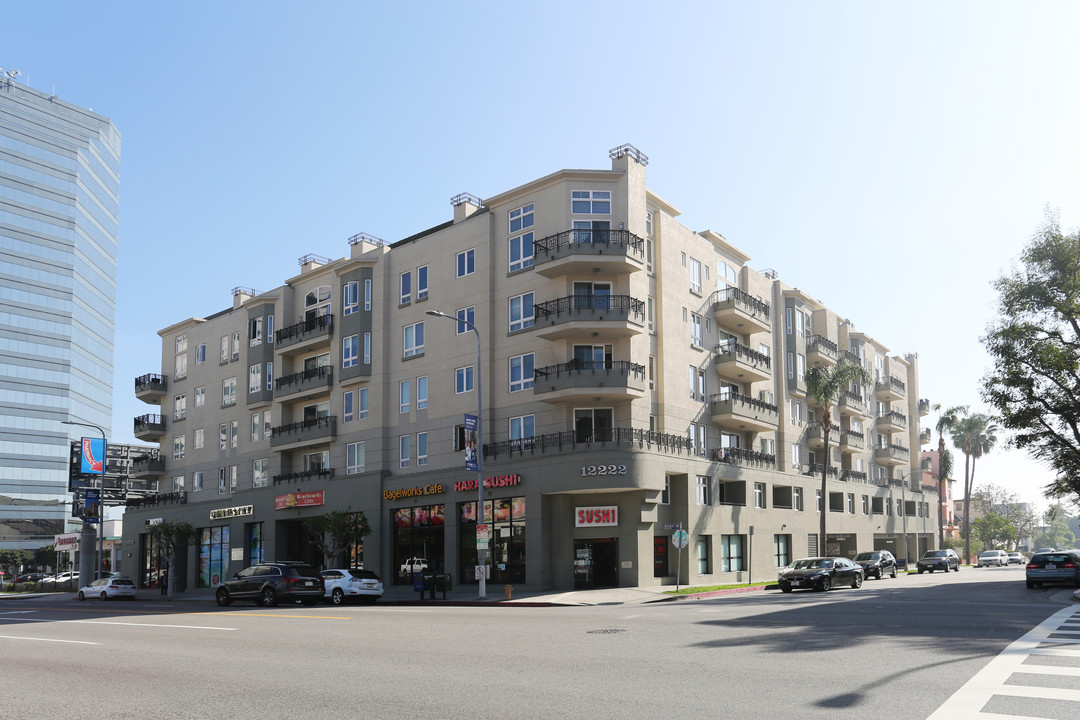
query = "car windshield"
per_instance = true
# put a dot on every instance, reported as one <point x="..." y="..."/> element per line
<point x="866" y="556"/>
<point x="936" y="553"/>
<point x="990" y="553"/>
<point x="810" y="563"/>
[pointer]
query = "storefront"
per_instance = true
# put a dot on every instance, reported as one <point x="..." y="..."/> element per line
<point x="596" y="559"/>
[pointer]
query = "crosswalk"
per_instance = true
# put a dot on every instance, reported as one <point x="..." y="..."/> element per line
<point x="1036" y="678"/>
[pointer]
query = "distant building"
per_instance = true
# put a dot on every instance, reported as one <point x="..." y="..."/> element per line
<point x="931" y="471"/>
<point x="59" y="187"/>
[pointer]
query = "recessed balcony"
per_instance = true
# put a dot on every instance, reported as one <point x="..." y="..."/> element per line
<point x="148" y="467"/>
<point x="589" y="252"/>
<point x="851" y="403"/>
<point x="890" y="389"/>
<point x="820" y="350"/>
<point x="304" y="433"/>
<point x="924" y="436"/>
<point x="739" y="363"/>
<point x="736" y="411"/>
<point x="578" y="316"/>
<point x="307" y="334"/>
<point x="316" y="381"/>
<point x="891" y="422"/>
<point x="851" y="441"/>
<point x="891" y="455"/>
<point x="924" y="407"/>
<point x="743" y="456"/>
<point x="149" y="427"/>
<point x="573" y="381"/>
<point x="151" y="388"/>
<point x="739" y="312"/>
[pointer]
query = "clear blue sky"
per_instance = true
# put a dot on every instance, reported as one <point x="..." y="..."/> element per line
<point x="828" y="140"/>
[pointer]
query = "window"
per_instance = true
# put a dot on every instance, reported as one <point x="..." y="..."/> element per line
<point x="178" y="483"/>
<point x="362" y="404"/>
<point x="584" y="202"/>
<point x="270" y="329"/>
<point x="521" y="218"/>
<point x="256" y="427"/>
<point x="421" y="282"/>
<point x="466" y="317"/>
<point x="228" y="392"/>
<point x="267" y="425"/>
<point x="234" y="476"/>
<point x="255" y="378"/>
<point x="697" y="438"/>
<point x="728" y="273"/>
<point x="350" y="297"/>
<point x="463" y="379"/>
<point x="255" y="331"/>
<point x="865" y="504"/>
<point x="652" y="372"/>
<point x="466" y="263"/>
<point x="521" y="372"/>
<point x="178" y="447"/>
<point x="521" y="312"/>
<point x="224" y="350"/>
<point x="704" y="497"/>
<point x="797" y="498"/>
<point x="817" y="494"/>
<point x="348" y="412"/>
<point x="198" y="438"/>
<point x="522" y="428"/>
<point x="223" y="436"/>
<point x="795" y="411"/>
<point x="197" y="481"/>
<point x="406" y="288"/>
<point x="731" y="553"/>
<point x="404" y="396"/>
<point x="695" y="329"/>
<point x="350" y="349"/>
<point x="421" y="393"/>
<point x="781" y="550"/>
<point x="367" y="348"/>
<point x="695" y="276"/>
<point x="367" y="295"/>
<point x="221" y="480"/>
<point x="521" y="252"/>
<point x="413" y="339"/>
<point x="703" y="564"/>
<point x="200" y="354"/>
<point x="200" y="396"/>
<point x="796" y="456"/>
<point x="235" y="347"/>
<point x="404" y="450"/>
<point x="665" y="494"/>
<point x="354" y="458"/>
<point x="421" y="449"/>
<point x="759" y="495"/>
<point x="234" y="433"/>
<point x="269" y="375"/>
<point x="180" y="367"/>
<point x="801" y="367"/>
<point x="181" y="343"/>
<point x="260" y="473"/>
<point x="851" y="503"/>
<point x="179" y="407"/>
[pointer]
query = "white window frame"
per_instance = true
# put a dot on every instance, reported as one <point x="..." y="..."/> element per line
<point x="350" y="351"/>
<point x="518" y="318"/>
<point x="421" y="448"/>
<point x="421" y="392"/>
<point x="410" y="347"/>
<point x="350" y="297"/>
<point x="354" y="458"/>
<point x="464" y="379"/>
<point x="404" y="451"/>
<point x="465" y="262"/>
<point x="525" y="377"/>
<point x="520" y="252"/>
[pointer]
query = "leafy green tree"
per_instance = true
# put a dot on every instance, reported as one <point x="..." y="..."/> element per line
<point x="946" y="422"/>
<point x="1034" y="385"/>
<point x="993" y="530"/>
<point x="1001" y="501"/>
<point x="171" y="536"/>
<point x="1056" y="533"/>
<point x="823" y="387"/>
<point x="336" y="531"/>
<point x="46" y="557"/>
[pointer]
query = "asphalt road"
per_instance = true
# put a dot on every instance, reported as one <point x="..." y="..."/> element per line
<point x="893" y="649"/>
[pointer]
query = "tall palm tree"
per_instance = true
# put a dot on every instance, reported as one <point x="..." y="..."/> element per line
<point x="972" y="435"/>
<point x="946" y="422"/>
<point x="824" y="386"/>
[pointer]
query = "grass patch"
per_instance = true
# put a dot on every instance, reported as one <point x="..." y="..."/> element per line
<point x="711" y="588"/>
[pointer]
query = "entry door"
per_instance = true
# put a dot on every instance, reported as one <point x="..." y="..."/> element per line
<point x="596" y="563"/>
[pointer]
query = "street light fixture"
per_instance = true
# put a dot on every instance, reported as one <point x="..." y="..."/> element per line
<point x="101" y="505"/>
<point x="481" y="554"/>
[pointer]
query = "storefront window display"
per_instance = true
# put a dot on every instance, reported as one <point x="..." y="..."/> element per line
<point x="213" y="555"/>
<point x="419" y="541"/>
<point x="506" y="547"/>
<point x="255" y="543"/>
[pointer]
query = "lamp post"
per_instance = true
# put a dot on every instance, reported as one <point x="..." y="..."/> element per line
<point x="101" y="505"/>
<point x="481" y="554"/>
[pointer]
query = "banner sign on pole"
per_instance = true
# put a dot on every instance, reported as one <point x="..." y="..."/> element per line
<point x="471" y="425"/>
<point x="93" y="456"/>
<point x="92" y="508"/>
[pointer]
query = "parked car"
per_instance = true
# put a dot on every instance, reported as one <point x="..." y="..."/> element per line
<point x="109" y="588"/>
<point x="1045" y="550"/>
<point x="820" y="573"/>
<point x="30" y="577"/>
<point x="1053" y="567"/>
<point x="998" y="558"/>
<point x="411" y="565"/>
<point x="1016" y="558"/>
<point x="67" y="579"/>
<point x="876" y="563"/>
<point x="269" y="583"/>
<point x="351" y="584"/>
<point x="939" y="560"/>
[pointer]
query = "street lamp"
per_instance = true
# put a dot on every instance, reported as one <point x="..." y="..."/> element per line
<point x="101" y="505"/>
<point x="480" y="553"/>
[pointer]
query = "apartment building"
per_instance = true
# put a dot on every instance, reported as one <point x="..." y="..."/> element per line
<point x="633" y="377"/>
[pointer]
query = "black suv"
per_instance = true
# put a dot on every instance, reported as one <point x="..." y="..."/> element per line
<point x="877" y="563"/>
<point x="270" y="582"/>
<point x="939" y="560"/>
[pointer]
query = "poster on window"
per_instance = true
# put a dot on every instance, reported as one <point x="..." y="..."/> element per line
<point x="403" y="518"/>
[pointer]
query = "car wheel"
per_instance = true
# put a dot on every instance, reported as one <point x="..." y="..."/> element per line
<point x="785" y="588"/>
<point x="81" y="596"/>
<point x="223" y="598"/>
<point x="957" y="568"/>
<point x="856" y="580"/>
<point x="104" y="595"/>
<point x="825" y="584"/>
<point x="337" y="597"/>
<point x="920" y="571"/>
<point x="893" y="573"/>
<point x="1030" y="585"/>
<point x="268" y="598"/>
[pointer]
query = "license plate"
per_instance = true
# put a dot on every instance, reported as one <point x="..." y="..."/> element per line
<point x="1051" y="566"/>
<point x="794" y="583"/>
<point x="309" y="583"/>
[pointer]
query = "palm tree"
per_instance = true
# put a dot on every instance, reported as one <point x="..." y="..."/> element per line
<point x="946" y="422"/>
<point x="823" y="387"/>
<point x="973" y="435"/>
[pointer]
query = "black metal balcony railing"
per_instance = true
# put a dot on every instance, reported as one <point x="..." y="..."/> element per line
<point x="328" y="422"/>
<point x="929" y="488"/>
<point x="572" y="366"/>
<point x="894" y="416"/>
<point x="617" y="304"/>
<point x="569" y="239"/>
<point x="321" y="372"/>
<point x="301" y="475"/>
<point x="815" y="469"/>
<point x="748" y="302"/>
<point x="736" y="455"/>
<point x="845" y="434"/>
<point x="151" y="381"/>
<point x="728" y="394"/>
<point x="572" y="439"/>
<point x="742" y="352"/>
<point x="145" y="423"/>
<point x="294" y="332"/>
<point x="157" y="499"/>
<point x="853" y="476"/>
<point x="850" y="357"/>
<point x="891" y="383"/>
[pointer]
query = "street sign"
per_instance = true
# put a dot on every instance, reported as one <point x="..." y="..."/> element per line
<point x="673" y="526"/>
<point x="680" y="539"/>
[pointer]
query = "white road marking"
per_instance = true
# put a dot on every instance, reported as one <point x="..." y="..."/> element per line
<point x="110" y="622"/>
<point x="17" y="612"/>
<point x="75" y="642"/>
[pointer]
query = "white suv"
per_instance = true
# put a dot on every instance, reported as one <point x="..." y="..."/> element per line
<point x="999" y="558"/>
<point x="413" y="565"/>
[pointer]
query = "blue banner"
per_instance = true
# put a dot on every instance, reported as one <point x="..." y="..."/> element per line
<point x="471" y="432"/>
<point x="93" y="456"/>
<point x="92" y="509"/>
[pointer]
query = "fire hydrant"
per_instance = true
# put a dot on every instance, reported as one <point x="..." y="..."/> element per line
<point x="507" y="590"/>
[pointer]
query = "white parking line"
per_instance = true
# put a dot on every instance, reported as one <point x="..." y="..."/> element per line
<point x="110" y="622"/>
<point x="74" y="642"/>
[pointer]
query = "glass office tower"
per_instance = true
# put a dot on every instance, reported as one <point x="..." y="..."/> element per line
<point x="59" y="195"/>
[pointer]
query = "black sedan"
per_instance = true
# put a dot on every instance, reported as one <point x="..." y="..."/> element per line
<point x="820" y="573"/>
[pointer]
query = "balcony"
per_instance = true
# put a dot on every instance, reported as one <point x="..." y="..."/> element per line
<point x="739" y="312"/>
<point x="585" y="252"/>
<point x="851" y="441"/>
<point x="855" y="476"/>
<point x="815" y="435"/>
<point x="151" y="388"/>
<point x="891" y="455"/>
<point x="742" y="456"/>
<point x="851" y="403"/>
<point x="924" y="436"/>
<point x="820" y="350"/>
<point x="736" y="411"/>
<point x="892" y="421"/>
<point x="739" y="363"/>
<point x="573" y="381"/>
<point x="148" y="467"/>
<point x="306" y="334"/>
<point x="305" y="432"/>
<point x="149" y="427"/>
<point x="606" y="316"/>
<point x="602" y="439"/>
<point x="316" y="381"/>
<point x="924" y="407"/>
<point x="891" y="389"/>
<point x="302" y="475"/>
<point x="815" y="470"/>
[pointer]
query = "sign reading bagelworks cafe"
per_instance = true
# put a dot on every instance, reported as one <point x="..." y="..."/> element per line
<point x="239" y="510"/>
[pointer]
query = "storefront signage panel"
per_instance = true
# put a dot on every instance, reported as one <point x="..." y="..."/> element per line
<point x="432" y="489"/>
<point x="495" y="481"/>
<point x="603" y="516"/>
<point x="238" y="511"/>
<point x="300" y="499"/>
